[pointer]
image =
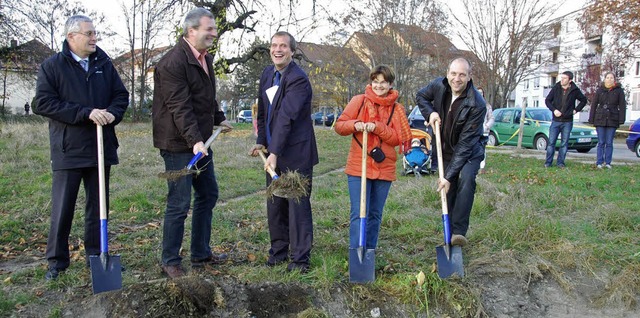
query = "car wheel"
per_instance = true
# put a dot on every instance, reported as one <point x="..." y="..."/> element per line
<point x="541" y="142"/>
<point x="583" y="150"/>
<point x="493" y="141"/>
<point x="638" y="149"/>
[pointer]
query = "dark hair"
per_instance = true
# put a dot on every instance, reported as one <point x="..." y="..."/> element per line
<point x="292" y="42"/>
<point x="386" y="72"/>
<point x="570" y="74"/>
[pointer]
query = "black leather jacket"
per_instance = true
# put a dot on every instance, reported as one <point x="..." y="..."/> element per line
<point x="466" y="136"/>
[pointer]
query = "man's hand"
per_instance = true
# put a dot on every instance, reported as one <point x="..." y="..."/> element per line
<point x="255" y="149"/>
<point x="199" y="147"/>
<point x="557" y="113"/>
<point x="101" y="117"/>
<point x="433" y="118"/>
<point x="443" y="184"/>
<point x="272" y="161"/>
<point x="226" y="126"/>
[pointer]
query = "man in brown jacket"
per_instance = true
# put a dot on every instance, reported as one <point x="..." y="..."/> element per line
<point x="184" y="113"/>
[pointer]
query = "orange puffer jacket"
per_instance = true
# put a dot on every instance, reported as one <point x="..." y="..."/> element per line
<point x="384" y="136"/>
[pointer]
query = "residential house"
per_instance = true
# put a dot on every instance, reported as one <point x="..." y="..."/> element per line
<point x="18" y="70"/>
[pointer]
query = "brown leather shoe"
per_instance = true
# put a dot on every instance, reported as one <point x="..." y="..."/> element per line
<point x="457" y="239"/>
<point x="213" y="259"/>
<point x="173" y="271"/>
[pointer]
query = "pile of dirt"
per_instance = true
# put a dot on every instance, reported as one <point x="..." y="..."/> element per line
<point x="194" y="296"/>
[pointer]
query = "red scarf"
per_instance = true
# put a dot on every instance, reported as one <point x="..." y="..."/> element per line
<point x="371" y="99"/>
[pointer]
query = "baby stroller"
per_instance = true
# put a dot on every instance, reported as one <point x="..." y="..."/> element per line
<point x="418" y="159"/>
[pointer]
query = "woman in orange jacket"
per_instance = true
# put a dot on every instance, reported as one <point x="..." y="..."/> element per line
<point x="377" y="112"/>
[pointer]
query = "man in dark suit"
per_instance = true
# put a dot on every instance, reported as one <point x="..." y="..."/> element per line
<point x="285" y="130"/>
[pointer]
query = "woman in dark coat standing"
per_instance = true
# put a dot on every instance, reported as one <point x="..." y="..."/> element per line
<point x="608" y="112"/>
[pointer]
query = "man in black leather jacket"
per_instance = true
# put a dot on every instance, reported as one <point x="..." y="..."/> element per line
<point x="454" y="102"/>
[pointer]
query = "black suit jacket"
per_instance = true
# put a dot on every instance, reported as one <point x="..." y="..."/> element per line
<point x="292" y="136"/>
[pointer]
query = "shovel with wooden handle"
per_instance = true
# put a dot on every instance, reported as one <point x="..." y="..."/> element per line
<point x="106" y="270"/>
<point x="362" y="260"/>
<point x="449" y="257"/>
<point x="173" y="175"/>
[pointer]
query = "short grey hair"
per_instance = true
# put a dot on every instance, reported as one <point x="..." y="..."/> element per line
<point x="192" y="19"/>
<point x="73" y="23"/>
<point x="292" y="41"/>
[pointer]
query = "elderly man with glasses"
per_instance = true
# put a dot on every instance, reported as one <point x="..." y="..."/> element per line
<point x="78" y="89"/>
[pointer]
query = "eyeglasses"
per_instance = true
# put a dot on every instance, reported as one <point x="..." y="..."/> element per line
<point x="88" y="34"/>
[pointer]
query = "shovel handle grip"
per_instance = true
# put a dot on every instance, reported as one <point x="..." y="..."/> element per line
<point x="207" y="144"/>
<point x="273" y="174"/>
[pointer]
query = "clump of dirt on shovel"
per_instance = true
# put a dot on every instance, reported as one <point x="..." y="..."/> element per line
<point x="290" y="184"/>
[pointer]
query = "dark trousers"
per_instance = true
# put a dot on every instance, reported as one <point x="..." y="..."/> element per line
<point x="291" y="226"/>
<point x="461" y="194"/>
<point x="65" y="186"/>
<point x="205" y="196"/>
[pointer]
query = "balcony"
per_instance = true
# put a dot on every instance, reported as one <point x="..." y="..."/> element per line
<point x="590" y="59"/>
<point x="549" y="68"/>
<point x="551" y="43"/>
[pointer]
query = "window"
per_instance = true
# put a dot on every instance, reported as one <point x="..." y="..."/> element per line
<point x="637" y="68"/>
<point x="526" y="84"/>
<point x="636" y="101"/>
<point x="536" y="82"/>
<point x="554" y="57"/>
<point x="536" y="103"/>
<point x="539" y="58"/>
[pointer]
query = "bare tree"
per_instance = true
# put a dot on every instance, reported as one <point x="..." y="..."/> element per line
<point x="145" y="19"/>
<point x="43" y="22"/>
<point x="504" y="34"/>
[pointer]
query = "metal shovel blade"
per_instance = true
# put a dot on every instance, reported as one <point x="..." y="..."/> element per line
<point x="451" y="265"/>
<point x="362" y="271"/>
<point x="106" y="272"/>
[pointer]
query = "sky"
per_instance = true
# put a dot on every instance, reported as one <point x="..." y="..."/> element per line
<point x="113" y="12"/>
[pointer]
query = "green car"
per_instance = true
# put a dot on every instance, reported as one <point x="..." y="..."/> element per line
<point x="536" y="130"/>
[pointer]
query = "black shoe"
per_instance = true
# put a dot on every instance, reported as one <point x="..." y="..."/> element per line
<point x="213" y="259"/>
<point x="271" y="262"/>
<point x="302" y="268"/>
<point x="52" y="273"/>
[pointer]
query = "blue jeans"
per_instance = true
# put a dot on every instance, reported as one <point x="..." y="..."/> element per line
<point x="179" y="202"/>
<point x="377" y="192"/>
<point x="605" y="144"/>
<point x="556" y="128"/>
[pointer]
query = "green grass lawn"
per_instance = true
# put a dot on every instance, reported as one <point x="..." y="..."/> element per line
<point x="578" y="219"/>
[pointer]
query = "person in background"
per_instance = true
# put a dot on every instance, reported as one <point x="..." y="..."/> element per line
<point x="608" y="112"/>
<point x="562" y="103"/>
<point x="285" y="130"/>
<point x="184" y="113"/>
<point x="377" y="112"/>
<point x="488" y="122"/>
<point x="454" y="102"/>
<point x="78" y="89"/>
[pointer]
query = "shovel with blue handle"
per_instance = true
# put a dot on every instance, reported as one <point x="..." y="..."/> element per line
<point x="106" y="270"/>
<point x="449" y="257"/>
<point x="173" y="175"/>
<point x="362" y="261"/>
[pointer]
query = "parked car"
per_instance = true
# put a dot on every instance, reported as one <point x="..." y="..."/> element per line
<point x="536" y="130"/>
<point x="328" y="118"/>
<point x="633" y="141"/>
<point x="317" y="118"/>
<point x="416" y="120"/>
<point x="244" y="116"/>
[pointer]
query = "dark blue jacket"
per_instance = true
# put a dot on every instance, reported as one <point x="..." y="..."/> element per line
<point x="554" y="101"/>
<point x="292" y="137"/>
<point x="66" y="94"/>
<point x="609" y="108"/>
<point x="467" y="133"/>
